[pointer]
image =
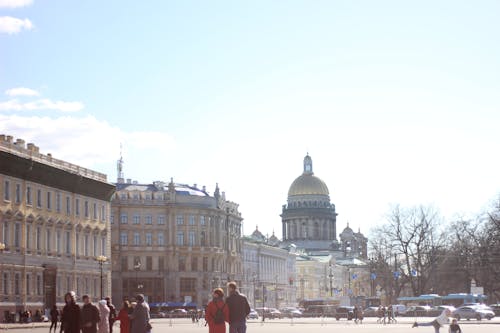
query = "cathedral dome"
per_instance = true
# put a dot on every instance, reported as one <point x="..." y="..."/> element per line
<point x="307" y="183"/>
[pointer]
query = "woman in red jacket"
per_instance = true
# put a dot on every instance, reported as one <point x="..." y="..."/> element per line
<point x="123" y="317"/>
<point x="216" y="305"/>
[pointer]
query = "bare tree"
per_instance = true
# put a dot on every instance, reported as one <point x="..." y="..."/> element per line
<point x="415" y="240"/>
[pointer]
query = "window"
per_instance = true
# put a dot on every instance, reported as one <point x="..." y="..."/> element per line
<point x="94" y="211"/>
<point x="180" y="238"/>
<point x="58" y="241"/>
<point x="191" y="220"/>
<point x="39" y="198"/>
<point x="86" y="208"/>
<point x="103" y="245"/>
<point x="5" y="283"/>
<point x="16" y="284"/>
<point x="18" y="193"/>
<point x="6" y="191"/>
<point x="28" y="284"/>
<point x="137" y="219"/>
<point x="28" y="236"/>
<point x="123" y="196"/>
<point x="203" y="241"/>
<point x="149" y="263"/>
<point x="86" y="245"/>
<point x="17" y="235"/>
<point x="182" y="264"/>
<point x="202" y="220"/>
<point x="103" y="213"/>
<point x="48" y="235"/>
<point x="29" y="199"/>
<point x="58" y="202"/>
<point x="137" y="239"/>
<point x="161" y="264"/>
<point x="95" y="243"/>
<point x="68" y="205"/>
<point x="124" y="219"/>
<point x="188" y="285"/>
<point x="205" y="264"/>
<point x="124" y="262"/>
<point x="148" y="219"/>
<point x="191" y="238"/>
<point x="161" y="239"/>
<point x="68" y="283"/>
<point x="194" y="264"/>
<point x="161" y="220"/>
<point x="77" y="207"/>
<point x="39" y="285"/>
<point x="112" y="219"/>
<point x="6" y="233"/>
<point x="67" y="241"/>
<point x="49" y="200"/>
<point x="77" y="244"/>
<point x="180" y="219"/>
<point x="123" y="238"/>
<point x="38" y="238"/>
<point x="149" y="239"/>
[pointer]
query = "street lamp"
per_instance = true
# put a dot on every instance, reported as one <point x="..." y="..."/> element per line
<point x="137" y="268"/>
<point x="331" y="281"/>
<point x="101" y="260"/>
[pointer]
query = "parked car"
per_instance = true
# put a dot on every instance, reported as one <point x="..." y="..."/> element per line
<point x="473" y="312"/>
<point x="417" y="311"/>
<point x="291" y="313"/>
<point x="344" y="312"/>
<point x="495" y="308"/>
<point x="437" y="310"/>
<point x="178" y="313"/>
<point x="253" y="314"/>
<point x="270" y="313"/>
<point x="159" y="314"/>
<point x="371" y="311"/>
<point x="399" y="309"/>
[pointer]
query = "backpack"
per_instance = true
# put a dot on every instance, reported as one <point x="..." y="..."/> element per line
<point x="219" y="314"/>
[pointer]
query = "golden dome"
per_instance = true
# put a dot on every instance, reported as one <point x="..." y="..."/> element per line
<point x="308" y="184"/>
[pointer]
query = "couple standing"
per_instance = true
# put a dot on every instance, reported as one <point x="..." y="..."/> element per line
<point x="234" y="310"/>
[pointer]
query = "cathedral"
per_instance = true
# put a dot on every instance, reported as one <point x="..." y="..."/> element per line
<point x="309" y="219"/>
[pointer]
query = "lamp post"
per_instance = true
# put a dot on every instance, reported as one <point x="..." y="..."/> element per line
<point x="101" y="260"/>
<point x="137" y="267"/>
<point x="331" y="281"/>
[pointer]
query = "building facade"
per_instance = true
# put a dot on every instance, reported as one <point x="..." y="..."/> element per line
<point x="269" y="272"/>
<point x="173" y="242"/>
<point x="54" y="223"/>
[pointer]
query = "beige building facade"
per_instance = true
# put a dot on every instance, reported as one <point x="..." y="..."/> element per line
<point x="173" y="242"/>
<point x="54" y="223"/>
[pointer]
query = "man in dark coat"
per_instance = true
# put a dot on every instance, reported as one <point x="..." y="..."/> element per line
<point x="89" y="316"/>
<point x="140" y="316"/>
<point x="238" y="309"/>
<point x="112" y="313"/>
<point x="70" y="320"/>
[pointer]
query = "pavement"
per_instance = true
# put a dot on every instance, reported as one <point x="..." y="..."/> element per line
<point x="309" y="325"/>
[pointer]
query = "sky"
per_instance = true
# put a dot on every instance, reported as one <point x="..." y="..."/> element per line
<point x="397" y="102"/>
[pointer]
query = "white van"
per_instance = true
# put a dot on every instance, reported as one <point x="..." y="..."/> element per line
<point x="399" y="309"/>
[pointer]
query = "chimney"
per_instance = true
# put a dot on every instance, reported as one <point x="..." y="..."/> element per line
<point x="9" y="138"/>
<point x="129" y="181"/>
<point x="20" y="143"/>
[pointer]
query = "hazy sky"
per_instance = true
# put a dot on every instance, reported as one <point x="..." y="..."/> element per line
<point x="395" y="101"/>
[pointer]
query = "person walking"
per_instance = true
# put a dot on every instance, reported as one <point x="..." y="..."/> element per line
<point x="238" y="309"/>
<point x="70" y="320"/>
<point x="217" y="313"/>
<point x="89" y="316"/>
<point x="104" y="316"/>
<point x="140" y="316"/>
<point x="112" y="313"/>
<point x="441" y="320"/>
<point x="54" y="318"/>
<point x="454" y="327"/>
<point x="123" y="317"/>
